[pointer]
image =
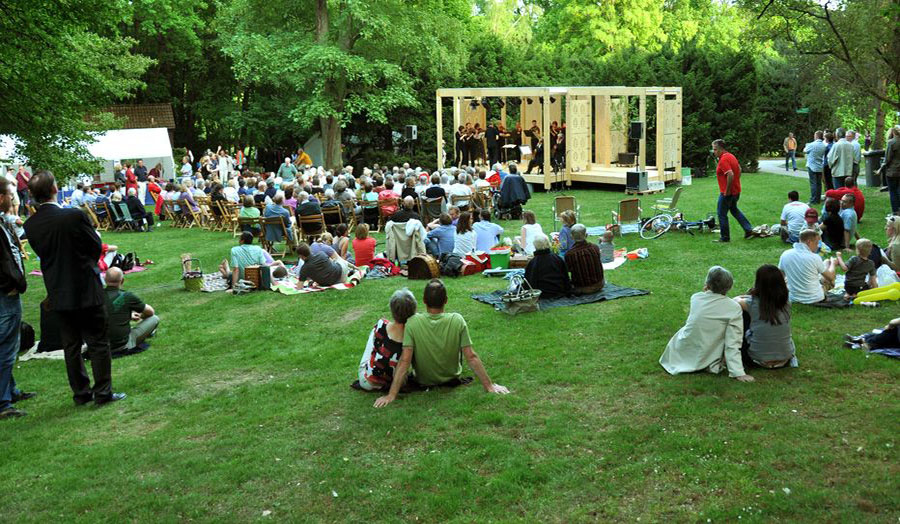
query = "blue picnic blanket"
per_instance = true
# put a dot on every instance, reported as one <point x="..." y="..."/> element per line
<point x="609" y="292"/>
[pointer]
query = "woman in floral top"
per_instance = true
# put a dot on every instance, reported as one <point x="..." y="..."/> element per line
<point x="376" y="368"/>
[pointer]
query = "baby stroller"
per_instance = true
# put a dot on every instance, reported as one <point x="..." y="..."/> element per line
<point x="512" y="196"/>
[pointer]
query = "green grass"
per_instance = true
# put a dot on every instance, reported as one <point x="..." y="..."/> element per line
<point x="242" y="404"/>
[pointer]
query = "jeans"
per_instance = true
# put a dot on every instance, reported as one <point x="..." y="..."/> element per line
<point x="10" y="324"/>
<point x="889" y="338"/>
<point x="23" y="200"/>
<point x="728" y="204"/>
<point x="790" y="156"/>
<point x="838" y="181"/>
<point x="815" y="187"/>
<point x="433" y="247"/>
<point x="893" y="184"/>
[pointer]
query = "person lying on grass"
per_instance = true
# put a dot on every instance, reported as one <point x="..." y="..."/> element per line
<point x="382" y="353"/>
<point x="439" y="341"/>
<point x="711" y="338"/>
<point x="246" y="254"/>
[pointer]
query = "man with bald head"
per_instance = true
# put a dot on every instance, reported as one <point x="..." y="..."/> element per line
<point x="406" y="212"/>
<point x="123" y="307"/>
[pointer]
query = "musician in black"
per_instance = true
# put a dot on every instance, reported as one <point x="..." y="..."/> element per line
<point x="460" y="146"/>
<point x="492" y="137"/>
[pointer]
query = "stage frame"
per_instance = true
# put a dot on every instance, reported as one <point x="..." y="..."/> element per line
<point x="592" y="161"/>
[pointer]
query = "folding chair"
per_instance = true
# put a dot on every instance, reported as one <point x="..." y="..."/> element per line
<point x="486" y="197"/>
<point x="387" y="202"/>
<point x="456" y="199"/>
<point x="668" y="205"/>
<point x="171" y="214"/>
<point x="332" y="216"/>
<point x="124" y="218"/>
<point x="92" y="217"/>
<point x="432" y="208"/>
<point x="311" y="227"/>
<point x="105" y="218"/>
<point x="629" y="213"/>
<point x="191" y="217"/>
<point x="278" y="224"/>
<point x="252" y="225"/>
<point x="565" y="203"/>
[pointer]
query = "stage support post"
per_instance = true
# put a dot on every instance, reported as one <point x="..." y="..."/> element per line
<point x="545" y="135"/>
<point x="440" y="132"/>
<point x="642" y="146"/>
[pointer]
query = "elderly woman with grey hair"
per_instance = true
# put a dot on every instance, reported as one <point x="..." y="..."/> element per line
<point x="376" y="368"/>
<point x="711" y="338"/>
<point x="547" y="271"/>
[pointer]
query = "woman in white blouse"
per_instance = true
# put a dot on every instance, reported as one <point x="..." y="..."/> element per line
<point x="530" y="230"/>
<point x="464" y="241"/>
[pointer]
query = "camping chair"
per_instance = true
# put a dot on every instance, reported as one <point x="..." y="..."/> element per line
<point x="629" y="213"/>
<point x="311" y="227"/>
<point x="565" y="203"/>
<point x="124" y="220"/>
<point x="383" y="203"/>
<point x="432" y="208"/>
<point x="668" y="205"/>
<point x="332" y="216"/>
<point x="277" y="223"/>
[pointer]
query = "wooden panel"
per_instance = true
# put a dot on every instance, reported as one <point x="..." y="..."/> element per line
<point x="642" y="144"/>
<point x="578" y="133"/>
<point x="618" y="127"/>
<point x="440" y="132"/>
<point x="601" y="130"/>
<point x="470" y="115"/>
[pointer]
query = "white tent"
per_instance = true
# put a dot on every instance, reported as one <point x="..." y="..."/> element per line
<point x="151" y="145"/>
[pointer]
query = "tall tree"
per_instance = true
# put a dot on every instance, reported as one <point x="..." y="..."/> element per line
<point x="60" y="64"/>
<point x="352" y="58"/>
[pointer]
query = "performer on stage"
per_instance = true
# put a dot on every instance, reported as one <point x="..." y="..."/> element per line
<point x="517" y="140"/>
<point x="502" y="140"/>
<point x="478" y="136"/>
<point x="468" y="144"/>
<point x="492" y="136"/>
<point x="460" y="146"/>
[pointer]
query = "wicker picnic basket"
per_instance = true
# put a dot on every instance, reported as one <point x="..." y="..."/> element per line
<point x="423" y="267"/>
<point x="521" y="297"/>
<point x="193" y="278"/>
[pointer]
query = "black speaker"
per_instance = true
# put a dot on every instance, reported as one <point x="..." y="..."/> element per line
<point x="410" y="133"/>
<point x="636" y="180"/>
<point x="636" y="131"/>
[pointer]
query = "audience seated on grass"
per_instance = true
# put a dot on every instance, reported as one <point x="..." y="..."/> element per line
<point x="583" y="260"/>
<point x="123" y="307"/>
<point x="464" y="239"/>
<point x="565" y="232"/>
<point x="832" y="225"/>
<point x="793" y="218"/>
<point x="434" y="344"/>
<point x="547" y="271"/>
<point x="363" y="246"/>
<point x="711" y="338"/>
<point x="246" y="254"/>
<point x="607" y="248"/>
<point x="859" y="271"/>
<point x="487" y="234"/>
<point x="530" y="229"/>
<point x="442" y="238"/>
<point x="808" y="276"/>
<point x="385" y="344"/>
<point x="767" y="321"/>
<point x="888" y="338"/>
<point x="859" y="200"/>
<point x="849" y="219"/>
<point x="320" y="268"/>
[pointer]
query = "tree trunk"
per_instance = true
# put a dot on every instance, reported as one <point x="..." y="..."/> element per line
<point x="878" y="141"/>
<point x="331" y="142"/>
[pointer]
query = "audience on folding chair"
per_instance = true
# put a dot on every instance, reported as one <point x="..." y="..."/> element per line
<point x="137" y="210"/>
<point x="276" y="209"/>
<point x="407" y="211"/>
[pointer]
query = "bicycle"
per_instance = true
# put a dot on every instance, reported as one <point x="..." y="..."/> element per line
<point x="660" y="224"/>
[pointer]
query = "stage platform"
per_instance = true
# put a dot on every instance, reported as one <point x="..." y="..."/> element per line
<point x="598" y="174"/>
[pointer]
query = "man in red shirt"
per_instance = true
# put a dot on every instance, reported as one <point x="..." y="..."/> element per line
<point x="859" y="202"/>
<point x="22" y="178"/>
<point x="728" y="172"/>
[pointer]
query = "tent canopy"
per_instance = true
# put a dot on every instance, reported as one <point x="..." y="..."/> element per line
<point x="151" y="144"/>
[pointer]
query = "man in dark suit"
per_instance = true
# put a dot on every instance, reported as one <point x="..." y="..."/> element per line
<point x="69" y="249"/>
<point x="492" y="136"/>
<point x="137" y="210"/>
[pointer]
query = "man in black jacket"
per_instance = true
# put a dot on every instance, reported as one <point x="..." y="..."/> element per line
<point x="137" y="210"/>
<point x="69" y="249"/>
<point x="12" y="284"/>
<point x="492" y="136"/>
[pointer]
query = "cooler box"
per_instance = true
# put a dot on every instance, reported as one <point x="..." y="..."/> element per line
<point x="499" y="258"/>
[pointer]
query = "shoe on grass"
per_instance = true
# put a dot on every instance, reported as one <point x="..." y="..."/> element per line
<point x="23" y="395"/>
<point x="12" y="412"/>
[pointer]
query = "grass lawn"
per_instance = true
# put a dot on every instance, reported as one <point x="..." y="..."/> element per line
<point x="242" y="405"/>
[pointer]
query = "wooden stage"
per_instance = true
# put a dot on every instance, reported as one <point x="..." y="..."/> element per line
<point x="598" y="174"/>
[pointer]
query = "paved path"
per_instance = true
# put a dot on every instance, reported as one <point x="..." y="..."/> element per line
<point x="776" y="166"/>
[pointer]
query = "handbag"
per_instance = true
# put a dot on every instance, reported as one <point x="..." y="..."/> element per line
<point x="521" y="297"/>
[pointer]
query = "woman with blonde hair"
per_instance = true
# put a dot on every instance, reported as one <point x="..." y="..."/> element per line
<point x="565" y="233"/>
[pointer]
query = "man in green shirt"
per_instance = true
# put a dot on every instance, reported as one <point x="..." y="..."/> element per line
<point x="122" y="307"/>
<point x="435" y="344"/>
<point x="287" y="171"/>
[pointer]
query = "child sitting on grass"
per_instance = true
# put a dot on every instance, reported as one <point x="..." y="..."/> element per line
<point x="857" y="268"/>
<point x="607" y="248"/>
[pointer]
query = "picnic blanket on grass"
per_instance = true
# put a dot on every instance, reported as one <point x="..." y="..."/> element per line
<point x="294" y="286"/>
<point x="833" y="299"/>
<point x="609" y="292"/>
<point x="135" y="269"/>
